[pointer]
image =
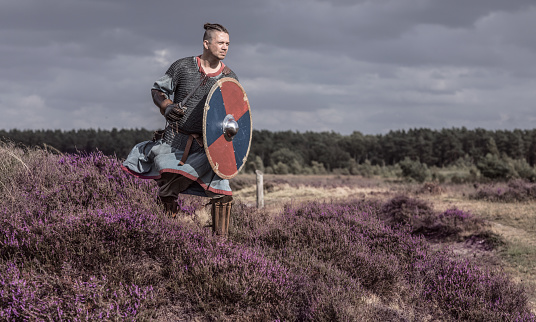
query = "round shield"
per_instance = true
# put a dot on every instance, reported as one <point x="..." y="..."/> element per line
<point x="227" y="127"/>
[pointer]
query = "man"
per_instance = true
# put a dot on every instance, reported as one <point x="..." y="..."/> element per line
<point x="177" y="160"/>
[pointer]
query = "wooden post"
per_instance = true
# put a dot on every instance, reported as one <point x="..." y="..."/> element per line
<point x="260" y="189"/>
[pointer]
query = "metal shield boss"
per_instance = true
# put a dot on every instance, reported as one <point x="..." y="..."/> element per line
<point x="227" y="127"/>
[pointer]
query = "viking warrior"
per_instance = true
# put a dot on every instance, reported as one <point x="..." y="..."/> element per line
<point x="176" y="158"/>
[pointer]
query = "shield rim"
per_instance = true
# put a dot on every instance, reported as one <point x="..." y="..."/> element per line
<point x="213" y="164"/>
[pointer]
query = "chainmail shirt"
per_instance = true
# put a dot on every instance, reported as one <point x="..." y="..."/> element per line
<point x="180" y="79"/>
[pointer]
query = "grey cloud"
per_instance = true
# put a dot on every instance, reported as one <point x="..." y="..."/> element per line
<point x="306" y="65"/>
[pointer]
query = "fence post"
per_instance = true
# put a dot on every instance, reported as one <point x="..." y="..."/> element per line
<point x="260" y="189"/>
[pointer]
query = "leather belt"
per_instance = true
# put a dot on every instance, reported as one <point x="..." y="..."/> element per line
<point x="191" y="137"/>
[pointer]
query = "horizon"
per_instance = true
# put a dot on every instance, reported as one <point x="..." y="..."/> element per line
<point x="290" y="130"/>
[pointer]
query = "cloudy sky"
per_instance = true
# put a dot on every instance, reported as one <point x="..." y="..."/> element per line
<point x="306" y="65"/>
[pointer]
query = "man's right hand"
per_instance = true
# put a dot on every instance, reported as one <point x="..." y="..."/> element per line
<point x="173" y="112"/>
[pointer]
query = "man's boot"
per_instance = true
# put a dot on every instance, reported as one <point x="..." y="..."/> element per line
<point x="221" y="215"/>
<point x="171" y="207"/>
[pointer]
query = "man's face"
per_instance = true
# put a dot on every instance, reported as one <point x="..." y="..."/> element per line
<point x="219" y="44"/>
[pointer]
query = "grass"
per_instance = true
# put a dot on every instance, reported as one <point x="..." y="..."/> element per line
<point x="82" y="240"/>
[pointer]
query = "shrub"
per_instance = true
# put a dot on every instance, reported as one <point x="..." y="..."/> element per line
<point x="407" y="211"/>
<point x="318" y="168"/>
<point x="524" y="170"/>
<point x="496" y="168"/>
<point x="431" y="188"/>
<point x="438" y="177"/>
<point x="281" y="168"/>
<point x="421" y="219"/>
<point x="254" y="163"/>
<point x="454" y="221"/>
<point x="364" y="169"/>
<point x="414" y="170"/>
<point x="458" y="179"/>
<point x="515" y="191"/>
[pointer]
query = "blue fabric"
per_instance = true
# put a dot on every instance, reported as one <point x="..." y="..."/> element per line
<point x="149" y="159"/>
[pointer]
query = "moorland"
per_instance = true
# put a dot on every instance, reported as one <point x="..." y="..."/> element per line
<point x="82" y="240"/>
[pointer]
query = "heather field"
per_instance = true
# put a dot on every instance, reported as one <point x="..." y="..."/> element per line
<point x="81" y="240"/>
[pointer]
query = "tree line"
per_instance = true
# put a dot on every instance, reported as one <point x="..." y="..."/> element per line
<point x="110" y="142"/>
<point x="315" y="152"/>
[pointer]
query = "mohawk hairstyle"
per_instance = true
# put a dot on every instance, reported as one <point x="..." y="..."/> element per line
<point x="210" y="28"/>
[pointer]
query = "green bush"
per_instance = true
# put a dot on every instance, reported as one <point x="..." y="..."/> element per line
<point x="524" y="170"/>
<point x="414" y="169"/>
<point x="281" y="168"/>
<point x="254" y="163"/>
<point x="496" y="168"/>
<point x="318" y="168"/>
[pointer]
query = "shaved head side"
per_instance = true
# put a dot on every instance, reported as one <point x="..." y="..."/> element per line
<point x="210" y="28"/>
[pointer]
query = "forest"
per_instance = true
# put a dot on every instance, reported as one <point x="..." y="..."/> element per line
<point x="499" y="154"/>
